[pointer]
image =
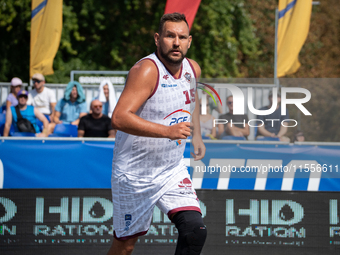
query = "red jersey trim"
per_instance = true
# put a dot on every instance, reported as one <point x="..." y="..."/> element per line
<point x="192" y="67"/>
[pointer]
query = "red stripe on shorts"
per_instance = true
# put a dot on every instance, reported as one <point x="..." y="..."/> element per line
<point x="123" y="238"/>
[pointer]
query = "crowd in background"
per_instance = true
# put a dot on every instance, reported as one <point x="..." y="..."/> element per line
<point x="44" y="113"/>
<point x="26" y="110"/>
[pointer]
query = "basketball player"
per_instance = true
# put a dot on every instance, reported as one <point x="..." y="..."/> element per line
<point x="153" y="117"/>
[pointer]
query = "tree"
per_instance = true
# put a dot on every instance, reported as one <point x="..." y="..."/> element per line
<point x="106" y="35"/>
<point x="15" y="39"/>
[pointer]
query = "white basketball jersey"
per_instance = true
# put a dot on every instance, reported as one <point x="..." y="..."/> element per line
<point x="172" y="101"/>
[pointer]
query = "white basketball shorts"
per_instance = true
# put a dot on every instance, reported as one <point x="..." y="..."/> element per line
<point x="134" y="200"/>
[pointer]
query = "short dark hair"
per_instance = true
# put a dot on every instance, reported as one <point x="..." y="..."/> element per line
<point x="174" y="17"/>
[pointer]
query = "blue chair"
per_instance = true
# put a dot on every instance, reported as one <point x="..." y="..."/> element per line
<point x="267" y="138"/>
<point x="65" y="130"/>
<point x="206" y="137"/>
<point x="230" y="137"/>
<point x="2" y="118"/>
<point x="22" y="134"/>
<point x="40" y="124"/>
<point x="2" y="123"/>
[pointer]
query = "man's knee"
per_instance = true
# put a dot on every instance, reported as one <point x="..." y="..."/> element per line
<point x="196" y="239"/>
<point x="192" y="232"/>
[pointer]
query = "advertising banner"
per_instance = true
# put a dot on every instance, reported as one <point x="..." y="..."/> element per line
<point x="62" y="221"/>
<point x="86" y="164"/>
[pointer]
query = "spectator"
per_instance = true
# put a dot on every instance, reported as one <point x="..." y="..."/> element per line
<point x="207" y="122"/>
<point x="42" y="98"/>
<point x="107" y="96"/>
<point x="27" y="112"/>
<point x="274" y="128"/>
<point x="238" y="129"/>
<point x="96" y="124"/>
<point x="12" y="99"/>
<point x="72" y="107"/>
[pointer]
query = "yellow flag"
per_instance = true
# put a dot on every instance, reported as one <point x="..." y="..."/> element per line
<point x="293" y="27"/>
<point x="46" y="26"/>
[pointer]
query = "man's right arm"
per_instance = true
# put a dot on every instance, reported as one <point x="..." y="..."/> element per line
<point x="139" y="87"/>
<point x="57" y="118"/>
<point x="8" y="122"/>
<point x="57" y="113"/>
<point x="261" y="129"/>
<point x="265" y="132"/>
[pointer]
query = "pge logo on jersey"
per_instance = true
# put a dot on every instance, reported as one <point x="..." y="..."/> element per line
<point x="175" y="119"/>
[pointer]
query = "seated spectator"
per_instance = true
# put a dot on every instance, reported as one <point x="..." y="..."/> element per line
<point x="72" y="107"/>
<point x="273" y="128"/>
<point x="27" y="112"/>
<point x="96" y="124"/>
<point x="12" y="100"/>
<point x="230" y="128"/>
<point x="107" y="96"/>
<point x="42" y="98"/>
<point x="207" y="123"/>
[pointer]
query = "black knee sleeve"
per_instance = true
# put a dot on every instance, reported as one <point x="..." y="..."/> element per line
<point x="191" y="233"/>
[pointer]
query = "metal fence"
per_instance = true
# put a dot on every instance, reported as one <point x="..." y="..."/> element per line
<point x="90" y="91"/>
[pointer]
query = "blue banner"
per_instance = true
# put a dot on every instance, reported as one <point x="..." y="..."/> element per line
<point x="84" y="164"/>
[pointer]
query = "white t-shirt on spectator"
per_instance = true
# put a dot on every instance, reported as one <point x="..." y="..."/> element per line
<point x="42" y="100"/>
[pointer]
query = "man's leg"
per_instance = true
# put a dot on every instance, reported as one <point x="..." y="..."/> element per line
<point x="122" y="247"/>
<point x="191" y="232"/>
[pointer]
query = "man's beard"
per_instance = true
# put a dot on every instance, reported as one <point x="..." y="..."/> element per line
<point x="169" y="60"/>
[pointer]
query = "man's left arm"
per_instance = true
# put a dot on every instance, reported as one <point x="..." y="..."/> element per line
<point x="283" y="129"/>
<point x="197" y="142"/>
<point x="52" y="111"/>
<point x="82" y="113"/>
<point x="53" y="102"/>
<point x="112" y="133"/>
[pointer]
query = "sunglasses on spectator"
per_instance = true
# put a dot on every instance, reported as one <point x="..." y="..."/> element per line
<point x="97" y="106"/>
<point x="230" y="102"/>
<point x="36" y="81"/>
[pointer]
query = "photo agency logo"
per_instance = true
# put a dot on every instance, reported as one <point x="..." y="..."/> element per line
<point x="239" y="105"/>
<point x="208" y="89"/>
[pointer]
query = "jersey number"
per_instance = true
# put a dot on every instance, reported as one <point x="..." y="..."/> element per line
<point x="192" y="94"/>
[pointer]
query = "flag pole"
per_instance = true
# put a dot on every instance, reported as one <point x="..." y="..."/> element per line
<point x="276" y="80"/>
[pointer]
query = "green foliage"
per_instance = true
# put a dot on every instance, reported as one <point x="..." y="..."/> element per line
<point x="232" y="38"/>
<point x="223" y="38"/>
<point x="15" y="39"/>
<point x="113" y="35"/>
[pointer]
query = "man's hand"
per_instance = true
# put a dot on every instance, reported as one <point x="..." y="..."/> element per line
<point x="179" y="131"/>
<point x="199" y="148"/>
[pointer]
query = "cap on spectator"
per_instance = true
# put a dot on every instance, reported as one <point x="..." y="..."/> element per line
<point x="22" y="93"/>
<point x="38" y="76"/>
<point x="16" y="81"/>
